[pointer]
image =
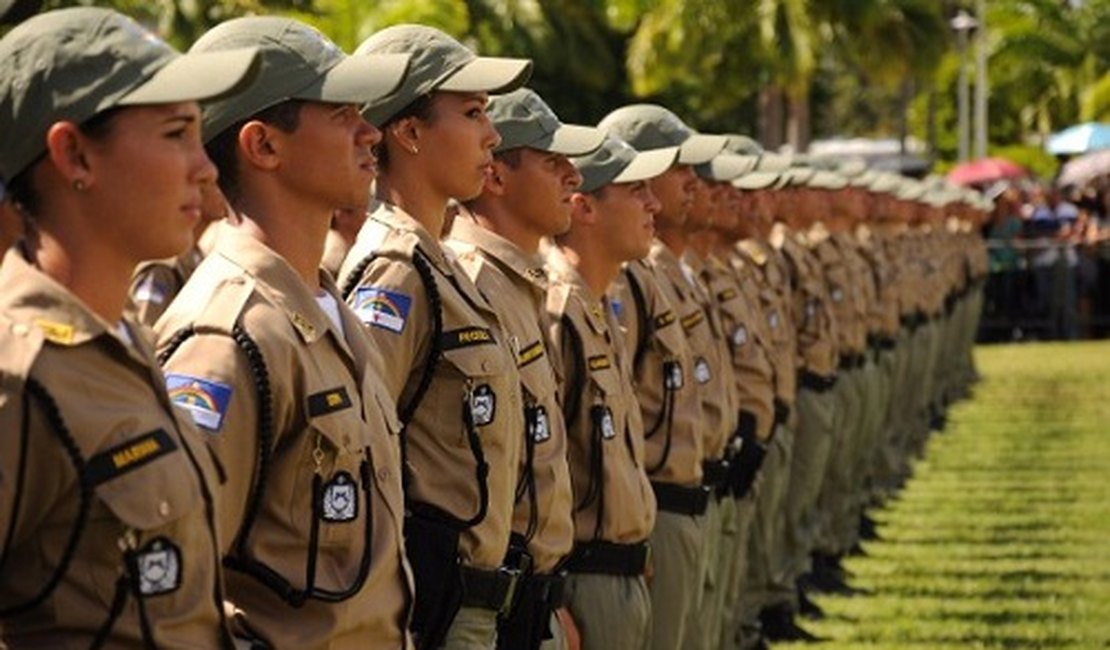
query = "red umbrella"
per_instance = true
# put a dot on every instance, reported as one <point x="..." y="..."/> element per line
<point x="985" y="170"/>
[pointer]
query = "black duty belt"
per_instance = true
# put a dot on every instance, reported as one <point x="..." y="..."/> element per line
<point x="714" y="473"/>
<point x="609" y="558"/>
<point x="816" y="382"/>
<point x="851" y="361"/>
<point x="681" y="500"/>
<point x="549" y="587"/>
<point x="486" y="589"/>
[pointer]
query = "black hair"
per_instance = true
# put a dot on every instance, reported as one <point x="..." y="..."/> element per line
<point x="21" y="189"/>
<point x="420" y="108"/>
<point x="223" y="149"/>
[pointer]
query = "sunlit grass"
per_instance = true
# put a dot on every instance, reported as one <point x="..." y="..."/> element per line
<point x="1002" y="538"/>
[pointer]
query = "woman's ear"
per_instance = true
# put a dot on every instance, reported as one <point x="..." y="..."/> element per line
<point x="406" y="134"/>
<point x="69" y="151"/>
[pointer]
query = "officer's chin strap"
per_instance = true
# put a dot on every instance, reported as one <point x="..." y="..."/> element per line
<point x="666" y="416"/>
<point x="33" y="389"/>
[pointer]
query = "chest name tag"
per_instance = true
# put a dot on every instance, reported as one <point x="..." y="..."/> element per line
<point x="129" y="456"/>
<point x="465" y="338"/>
<point x="483" y="405"/>
<point x="328" y="401"/>
<point x="530" y="354"/>
<point x="692" y="320"/>
<point x="726" y="295"/>
<point x="339" y="501"/>
<point x="664" y="319"/>
<point x="159" y="567"/>
<point x="599" y="362"/>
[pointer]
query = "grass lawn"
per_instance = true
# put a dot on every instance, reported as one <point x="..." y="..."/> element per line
<point x="1002" y="538"/>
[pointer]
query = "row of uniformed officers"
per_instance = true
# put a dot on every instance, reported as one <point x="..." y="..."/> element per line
<point x="618" y="387"/>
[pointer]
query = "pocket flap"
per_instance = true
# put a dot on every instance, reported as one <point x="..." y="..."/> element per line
<point x="147" y="481"/>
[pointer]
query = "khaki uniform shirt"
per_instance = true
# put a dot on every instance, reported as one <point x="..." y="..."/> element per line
<point x="662" y="366"/>
<point x="515" y="285"/>
<point x="334" y="467"/>
<point x="151" y="481"/>
<point x="614" y="501"/>
<point x="748" y="344"/>
<point x="713" y="358"/>
<point x="812" y="308"/>
<point x="844" y="292"/>
<point x="156" y="283"/>
<point x="476" y="370"/>
<point x="883" y="312"/>
<point x="759" y="262"/>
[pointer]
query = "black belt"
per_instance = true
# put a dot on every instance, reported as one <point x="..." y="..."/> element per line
<point x="816" y="382"/>
<point x="493" y="590"/>
<point x="851" y="361"/>
<point x="681" y="500"/>
<point x="549" y="587"/>
<point x="782" y="412"/>
<point x="714" y="473"/>
<point x="609" y="558"/>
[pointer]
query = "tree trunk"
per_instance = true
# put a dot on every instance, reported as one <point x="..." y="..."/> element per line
<point x="771" y="117"/>
<point x="799" y="130"/>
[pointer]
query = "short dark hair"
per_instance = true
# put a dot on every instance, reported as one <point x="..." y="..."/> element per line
<point x="21" y="189"/>
<point x="223" y="149"/>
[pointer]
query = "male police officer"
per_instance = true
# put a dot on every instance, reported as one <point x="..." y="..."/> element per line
<point x="267" y="358"/>
<point x="497" y="237"/>
<point x="611" y="224"/>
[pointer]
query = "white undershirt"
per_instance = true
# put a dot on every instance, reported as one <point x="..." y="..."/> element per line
<point x="125" y="334"/>
<point x="330" y="306"/>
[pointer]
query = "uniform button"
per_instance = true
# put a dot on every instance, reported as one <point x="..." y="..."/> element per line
<point x="383" y="474"/>
<point x="164" y="508"/>
<point x="20" y="329"/>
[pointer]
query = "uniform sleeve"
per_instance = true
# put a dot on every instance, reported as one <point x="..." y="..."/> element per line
<point x="392" y="303"/>
<point x="152" y="290"/>
<point x="211" y="378"/>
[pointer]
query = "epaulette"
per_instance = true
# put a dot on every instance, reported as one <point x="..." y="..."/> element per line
<point x="225" y="301"/>
<point x="558" y="297"/>
<point x="21" y="343"/>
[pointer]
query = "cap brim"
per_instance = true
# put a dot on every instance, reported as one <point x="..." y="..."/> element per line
<point x="647" y="165"/>
<point x="698" y="148"/>
<point x="726" y="167"/>
<point x="360" y="79"/>
<point x="486" y="74"/>
<point x="196" y="77"/>
<point x="571" y="140"/>
<point x="756" y="180"/>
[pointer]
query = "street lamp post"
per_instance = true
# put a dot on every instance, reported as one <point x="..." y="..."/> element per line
<point x="963" y="24"/>
<point x="982" y="90"/>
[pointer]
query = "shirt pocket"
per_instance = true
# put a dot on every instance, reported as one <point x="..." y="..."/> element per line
<point x="333" y="457"/>
<point x="481" y="378"/>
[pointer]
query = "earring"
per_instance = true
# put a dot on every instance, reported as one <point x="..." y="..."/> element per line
<point x="79" y="185"/>
<point x="415" y="149"/>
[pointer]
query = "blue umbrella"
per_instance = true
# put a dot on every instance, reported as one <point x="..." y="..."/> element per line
<point x="1080" y="138"/>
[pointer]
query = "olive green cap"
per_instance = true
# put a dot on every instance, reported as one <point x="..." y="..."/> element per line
<point x="795" y="177"/>
<point x="439" y="62"/>
<point x="826" y="180"/>
<point x="71" y="64"/>
<point x="911" y="190"/>
<point x="768" y="171"/>
<point x="885" y="182"/>
<point x="726" y="167"/>
<point x="864" y="180"/>
<point x="742" y="144"/>
<point x="648" y="126"/>
<point x="523" y="119"/>
<point x="617" y="162"/>
<point x="298" y="62"/>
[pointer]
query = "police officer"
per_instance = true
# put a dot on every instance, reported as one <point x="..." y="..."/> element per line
<point x="527" y="197"/>
<point x="107" y="498"/>
<point x="614" y="506"/>
<point x="678" y="362"/>
<point x="261" y="351"/>
<point x="445" y="356"/>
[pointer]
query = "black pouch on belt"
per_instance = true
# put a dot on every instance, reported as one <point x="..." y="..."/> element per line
<point x="745" y="465"/>
<point x="528" y="625"/>
<point x="433" y="550"/>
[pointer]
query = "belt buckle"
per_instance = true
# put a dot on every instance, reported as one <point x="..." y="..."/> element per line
<point x="513" y="577"/>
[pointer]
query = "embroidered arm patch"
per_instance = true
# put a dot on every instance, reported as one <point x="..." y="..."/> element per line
<point x="383" y="308"/>
<point x="204" y="399"/>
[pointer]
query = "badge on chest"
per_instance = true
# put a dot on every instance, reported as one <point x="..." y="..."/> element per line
<point x="339" y="499"/>
<point x="483" y="405"/>
<point x="158" y="565"/>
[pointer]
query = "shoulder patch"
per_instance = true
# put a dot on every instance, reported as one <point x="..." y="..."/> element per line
<point x="530" y="354"/>
<point x="617" y="307"/>
<point x="465" y="337"/>
<point x="382" y="308"/>
<point x="204" y="399"/>
<point x="128" y="456"/>
<point x="328" y="401"/>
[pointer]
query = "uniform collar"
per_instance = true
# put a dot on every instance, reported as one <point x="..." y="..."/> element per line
<point x="508" y="254"/>
<point x="563" y="272"/>
<point x="395" y="218"/>
<point x="30" y="296"/>
<point x="278" y="281"/>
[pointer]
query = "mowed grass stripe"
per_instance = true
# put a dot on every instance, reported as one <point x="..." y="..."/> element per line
<point x="1002" y="538"/>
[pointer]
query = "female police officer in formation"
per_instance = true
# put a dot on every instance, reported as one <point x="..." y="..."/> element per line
<point x="107" y="531"/>
<point x="445" y="357"/>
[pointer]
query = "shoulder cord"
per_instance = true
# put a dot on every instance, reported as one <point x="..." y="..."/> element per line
<point x="571" y="408"/>
<point x="406" y="413"/>
<point x="647" y="325"/>
<point x="526" y="484"/>
<point x="665" y="419"/>
<point x="241" y="558"/>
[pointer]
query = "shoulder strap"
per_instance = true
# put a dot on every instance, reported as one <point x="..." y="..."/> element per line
<point x="647" y="325"/>
<point x="576" y="375"/>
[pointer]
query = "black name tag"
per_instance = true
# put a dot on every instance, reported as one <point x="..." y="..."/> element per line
<point x="465" y="337"/>
<point x="328" y="401"/>
<point x="129" y="456"/>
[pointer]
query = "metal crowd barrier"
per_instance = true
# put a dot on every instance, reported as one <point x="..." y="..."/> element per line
<point x="1042" y="289"/>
